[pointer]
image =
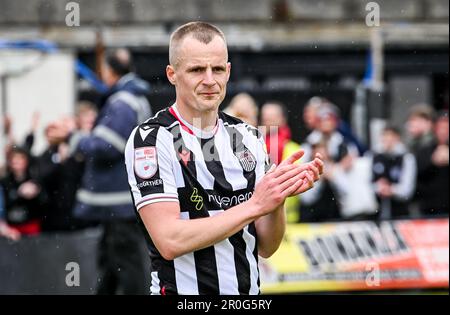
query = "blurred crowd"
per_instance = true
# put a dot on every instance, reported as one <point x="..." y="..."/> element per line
<point x="404" y="176"/>
<point x="37" y="193"/>
<point x="80" y="180"/>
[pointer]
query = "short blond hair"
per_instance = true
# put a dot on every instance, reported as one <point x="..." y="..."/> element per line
<point x="201" y="31"/>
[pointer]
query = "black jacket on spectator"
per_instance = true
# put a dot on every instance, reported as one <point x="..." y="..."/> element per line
<point x="60" y="180"/>
<point x="397" y="170"/>
<point x="432" y="183"/>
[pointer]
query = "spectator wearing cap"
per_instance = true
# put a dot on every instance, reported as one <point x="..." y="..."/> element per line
<point x="327" y="134"/>
<point x="313" y="109"/>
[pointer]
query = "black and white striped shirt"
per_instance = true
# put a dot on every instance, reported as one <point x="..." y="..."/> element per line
<point x="207" y="173"/>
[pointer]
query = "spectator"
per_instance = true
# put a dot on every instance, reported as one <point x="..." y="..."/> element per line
<point x="244" y="107"/>
<point x="354" y="189"/>
<point x="24" y="199"/>
<point x="104" y="194"/>
<point x="311" y="118"/>
<point x="327" y="134"/>
<point x="432" y="180"/>
<point x="320" y="203"/>
<point x="278" y="134"/>
<point x="420" y="127"/>
<point x="60" y="174"/>
<point x="310" y="112"/>
<point x="274" y="117"/>
<point x="394" y="175"/>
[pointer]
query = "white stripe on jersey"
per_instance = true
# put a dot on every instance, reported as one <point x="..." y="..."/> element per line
<point x="154" y="198"/>
<point x="185" y="273"/>
<point x="165" y="140"/>
<point x="230" y="163"/>
<point x="250" y="241"/>
<point x="226" y="267"/>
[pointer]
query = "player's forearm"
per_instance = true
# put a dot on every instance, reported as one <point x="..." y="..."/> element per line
<point x="270" y="230"/>
<point x="187" y="236"/>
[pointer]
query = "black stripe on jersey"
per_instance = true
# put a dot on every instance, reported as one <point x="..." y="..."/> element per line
<point x="214" y="165"/>
<point x="241" y="262"/>
<point x="162" y="118"/>
<point x="205" y="259"/>
<point x="206" y="268"/>
<point x="156" y="184"/>
<point x="252" y="231"/>
<point x="186" y="158"/>
<point x="237" y="241"/>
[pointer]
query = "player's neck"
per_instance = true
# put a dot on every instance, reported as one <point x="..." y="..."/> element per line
<point x="205" y="121"/>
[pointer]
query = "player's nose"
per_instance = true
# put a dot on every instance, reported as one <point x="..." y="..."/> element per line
<point x="208" y="78"/>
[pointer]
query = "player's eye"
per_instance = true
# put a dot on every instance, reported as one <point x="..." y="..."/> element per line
<point x="219" y="69"/>
<point x="196" y="69"/>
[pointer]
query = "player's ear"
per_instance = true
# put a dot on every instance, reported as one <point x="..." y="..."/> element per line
<point x="171" y="75"/>
<point x="228" y="70"/>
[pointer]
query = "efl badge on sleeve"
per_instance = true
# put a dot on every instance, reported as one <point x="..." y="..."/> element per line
<point x="145" y="162"/>
<point x="247" y="160"/>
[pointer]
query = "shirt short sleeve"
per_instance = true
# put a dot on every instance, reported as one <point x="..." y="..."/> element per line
<point x="149" y="166"/>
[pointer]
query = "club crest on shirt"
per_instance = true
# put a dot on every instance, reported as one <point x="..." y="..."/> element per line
<point x="247" y="160"/>
<point x="145" y="162"/>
